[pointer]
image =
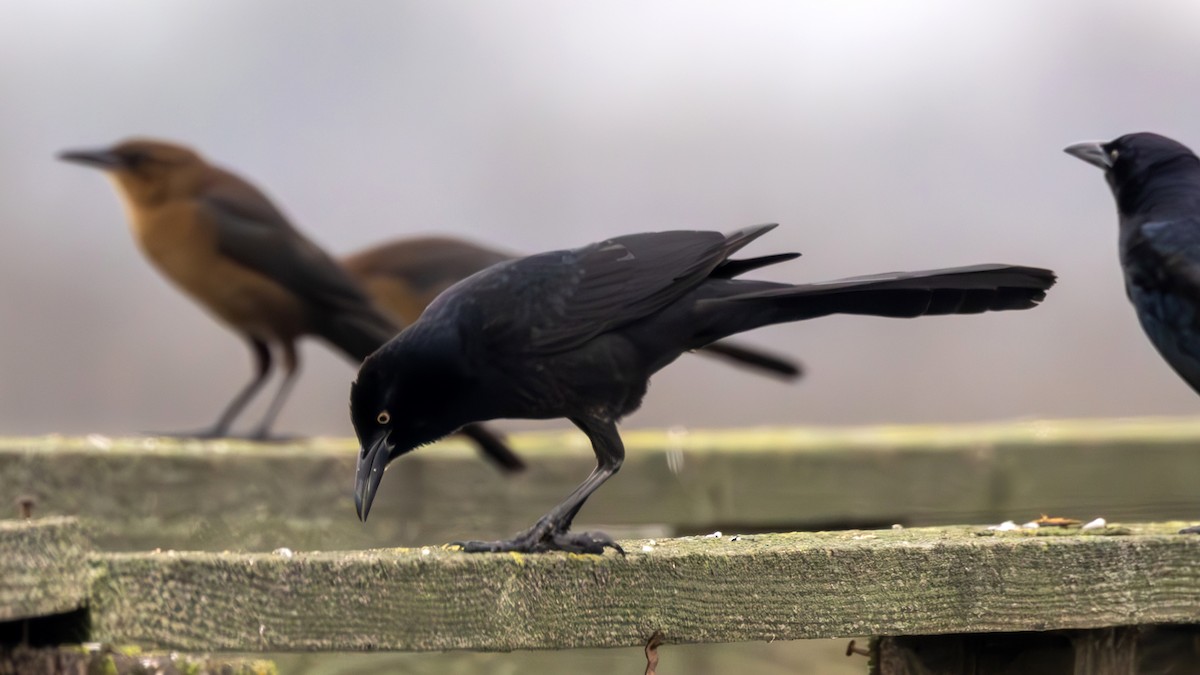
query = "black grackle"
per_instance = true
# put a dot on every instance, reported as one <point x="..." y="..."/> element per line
<point x="1156" y="183"/>
<point x="578" y="333"/>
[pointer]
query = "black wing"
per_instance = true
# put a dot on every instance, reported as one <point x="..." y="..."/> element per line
<point x="556" y="301"/>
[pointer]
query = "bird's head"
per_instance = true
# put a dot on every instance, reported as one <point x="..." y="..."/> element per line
<point x="1136" y="164"/>
<point x="403" y="398"/>
<point x="145" y="170"/>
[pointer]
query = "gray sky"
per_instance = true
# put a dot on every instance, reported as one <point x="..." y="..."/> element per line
<point x="881" y="136"/>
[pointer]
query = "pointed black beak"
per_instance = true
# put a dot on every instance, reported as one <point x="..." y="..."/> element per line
<point x="371" y="463"/>
<point x="1091" y="152"/>
<point x="101" y="159"/>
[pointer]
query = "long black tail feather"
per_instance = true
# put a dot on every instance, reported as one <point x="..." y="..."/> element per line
<point x="959" y="290"/>
<point x="493" y="448"/>
<point x="753" y="358"/>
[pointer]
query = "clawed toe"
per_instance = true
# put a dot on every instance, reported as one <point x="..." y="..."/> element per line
<point x="526" y="542"/>
<point x="541" y="540"/>
<point x="584" y="542"/>
<point x="516" y="545"/>
<point x="475" y="546"/>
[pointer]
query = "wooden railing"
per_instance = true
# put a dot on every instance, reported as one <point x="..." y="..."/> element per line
<point x="239" y="528"/>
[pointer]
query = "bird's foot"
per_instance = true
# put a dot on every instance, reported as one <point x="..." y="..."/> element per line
<point x="544" y="537"/>
<point x="1195" y="529"/>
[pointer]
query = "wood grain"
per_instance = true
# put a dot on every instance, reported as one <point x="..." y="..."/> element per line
<point x="43" y="568"/>
<point x="229" y="495"/>
<point x="696" y="589"/>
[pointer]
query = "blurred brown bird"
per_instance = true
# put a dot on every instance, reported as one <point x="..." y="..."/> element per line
<point x="405" y="275"/>
<point x="222" y="242"/>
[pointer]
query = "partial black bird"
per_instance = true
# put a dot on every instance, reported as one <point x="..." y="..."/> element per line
<point x="225" y="244"/>
<point x="404" y="275"/>
<point x="578" y="333"/>
<point x="1156" y="183"/>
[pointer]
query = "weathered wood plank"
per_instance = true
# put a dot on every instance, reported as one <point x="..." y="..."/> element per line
<point x="147" y="493"/>
<point x="43" y="568"/>
<point x="759" y="587"/>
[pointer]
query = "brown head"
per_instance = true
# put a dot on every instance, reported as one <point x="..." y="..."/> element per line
<point x="148" y="171"/>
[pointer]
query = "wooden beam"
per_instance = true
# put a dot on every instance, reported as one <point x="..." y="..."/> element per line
<point x="218" y="495"/>
<point x="696" y="589"/>
<point x="43" y="568"/>
<point x="777" y="658"/>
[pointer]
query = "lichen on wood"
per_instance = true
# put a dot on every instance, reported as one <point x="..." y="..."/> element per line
<point x="695" y="589"/>
<point x="43" y="568"/>
<point x="146" y="493"/>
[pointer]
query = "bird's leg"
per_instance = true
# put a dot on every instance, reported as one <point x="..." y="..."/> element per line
<point x="290" y="367"/>
<point x="550" y="533"/>
<point x="262" y="368"/>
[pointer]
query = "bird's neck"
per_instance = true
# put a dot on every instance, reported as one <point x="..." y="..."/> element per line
<point x="1167" y="193"/>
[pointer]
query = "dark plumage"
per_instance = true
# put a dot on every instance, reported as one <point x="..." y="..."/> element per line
<point x="1156" y="183"/>
<point x="578" y="333"/>
<point x="405" y="275"/>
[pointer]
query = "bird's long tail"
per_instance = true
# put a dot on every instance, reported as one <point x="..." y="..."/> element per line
<point x="493" y="448"/>
<point x="744" y="305"/>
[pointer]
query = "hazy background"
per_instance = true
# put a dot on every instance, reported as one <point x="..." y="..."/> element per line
<point x="880" y="135"/>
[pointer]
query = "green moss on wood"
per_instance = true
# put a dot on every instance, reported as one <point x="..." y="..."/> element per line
<point x="697" y="589"/>
<point x="43" y="568"/>
<point x="174" y="494"/>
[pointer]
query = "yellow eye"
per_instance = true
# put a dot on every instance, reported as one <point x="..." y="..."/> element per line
<point x="1113" y="154"/>
<point x="383" y="417"/>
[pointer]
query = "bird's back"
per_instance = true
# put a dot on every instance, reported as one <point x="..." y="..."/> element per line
<point x="226" y="243"/>
<point x="559" y="302"/>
